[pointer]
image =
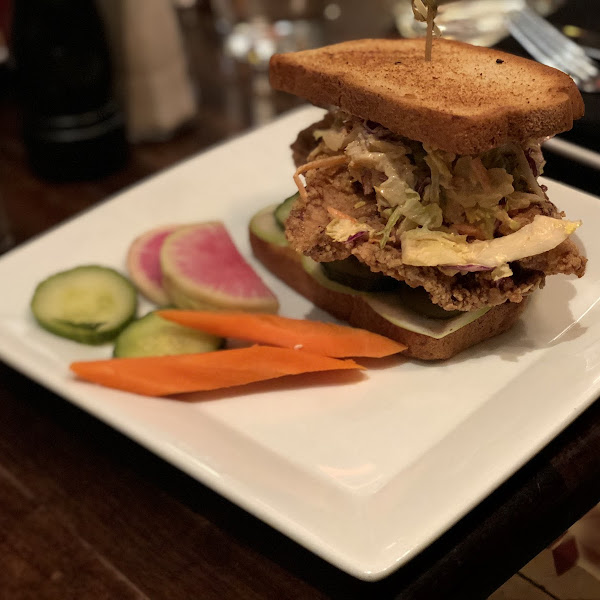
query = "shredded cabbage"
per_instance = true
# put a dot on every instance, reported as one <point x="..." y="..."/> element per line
<point x="398" y="194"/>
<point x="368" y="152"/>
<point x="423" y="194"/>
<point x="511" y="157"/>
<point x="425" y="248"/>
<point x="387" y="230"/>
<point x="519" y="200"/>
<point x="342" y="230"/>
<point x="470" y="188"/>
<point x="440" y="165"/>
<point x="501" y="271"/>
<point x="334" y="139"/>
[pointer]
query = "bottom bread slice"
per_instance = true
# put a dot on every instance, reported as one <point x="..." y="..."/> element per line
<point x="283" y="262"/>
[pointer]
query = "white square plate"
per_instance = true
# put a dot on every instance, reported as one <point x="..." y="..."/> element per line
<point x="364" y="474"/>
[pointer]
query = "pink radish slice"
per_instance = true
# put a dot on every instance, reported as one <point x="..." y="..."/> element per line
<point x="143" y="263"/>
<point x="202" y="268"/>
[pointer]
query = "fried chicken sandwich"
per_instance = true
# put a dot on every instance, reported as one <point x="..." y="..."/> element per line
<point x="419" y="214"/>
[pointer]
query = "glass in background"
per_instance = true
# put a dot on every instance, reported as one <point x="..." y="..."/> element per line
<point x="253" y="30"/>
<point x="479" y="22"/>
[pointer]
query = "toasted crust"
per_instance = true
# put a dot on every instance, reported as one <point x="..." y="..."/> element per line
<point x="467" y="100"/>
<point x="283" y="262"/>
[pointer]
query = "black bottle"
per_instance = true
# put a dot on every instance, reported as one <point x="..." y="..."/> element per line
<point x="72" y="127"/>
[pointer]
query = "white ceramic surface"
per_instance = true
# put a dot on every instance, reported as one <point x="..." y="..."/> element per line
<point x="364" y="473"/>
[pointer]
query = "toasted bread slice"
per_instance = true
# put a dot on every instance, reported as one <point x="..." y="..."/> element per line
<point x="285" y="263"/>
<point x="467" y="100"/>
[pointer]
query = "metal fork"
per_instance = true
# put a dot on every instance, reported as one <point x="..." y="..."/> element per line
<point x="549" y="46"/>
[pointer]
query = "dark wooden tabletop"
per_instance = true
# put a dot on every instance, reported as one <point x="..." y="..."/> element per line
<point x="86" y="513"/>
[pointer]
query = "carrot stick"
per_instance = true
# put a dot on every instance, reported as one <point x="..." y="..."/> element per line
<point x="327" y="339"/>
<point x="166" y="375"/>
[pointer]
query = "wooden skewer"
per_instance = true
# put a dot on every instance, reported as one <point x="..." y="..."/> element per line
<point x="429" y="39"/>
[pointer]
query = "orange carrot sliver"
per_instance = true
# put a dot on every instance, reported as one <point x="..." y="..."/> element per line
<point x="166" y="375"/>
<point x="327" y="339"/>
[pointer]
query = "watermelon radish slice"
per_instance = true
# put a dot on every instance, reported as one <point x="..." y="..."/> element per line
<point x="143" y="263"/>
<point x="203" y="269"/>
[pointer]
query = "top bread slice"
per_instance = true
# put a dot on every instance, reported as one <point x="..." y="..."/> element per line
<point x="466" y="100"/>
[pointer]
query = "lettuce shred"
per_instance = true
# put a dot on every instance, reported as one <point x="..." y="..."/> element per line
<point x="416" y="186"/>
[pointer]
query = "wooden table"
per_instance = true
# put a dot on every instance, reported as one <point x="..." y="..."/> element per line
<point x="86" y="513"/>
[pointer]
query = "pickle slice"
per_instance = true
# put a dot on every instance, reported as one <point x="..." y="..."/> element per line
<point x="89" y="304"/>
<point x="282" y="212"/>
<point x="357" y="275"/>
<point x="154" y="336"/>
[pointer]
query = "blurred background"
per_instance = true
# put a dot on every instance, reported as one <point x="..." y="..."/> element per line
<point x="98" y="94"/>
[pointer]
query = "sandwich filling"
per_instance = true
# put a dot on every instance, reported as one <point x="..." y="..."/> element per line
<point x="473" y="230"/>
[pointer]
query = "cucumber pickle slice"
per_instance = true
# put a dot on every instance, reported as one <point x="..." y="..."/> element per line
<point x="282" y="212"/>
<point x="351" y="272"/>
<point x="154" y="336"/>
<point x="89" y="304"/>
